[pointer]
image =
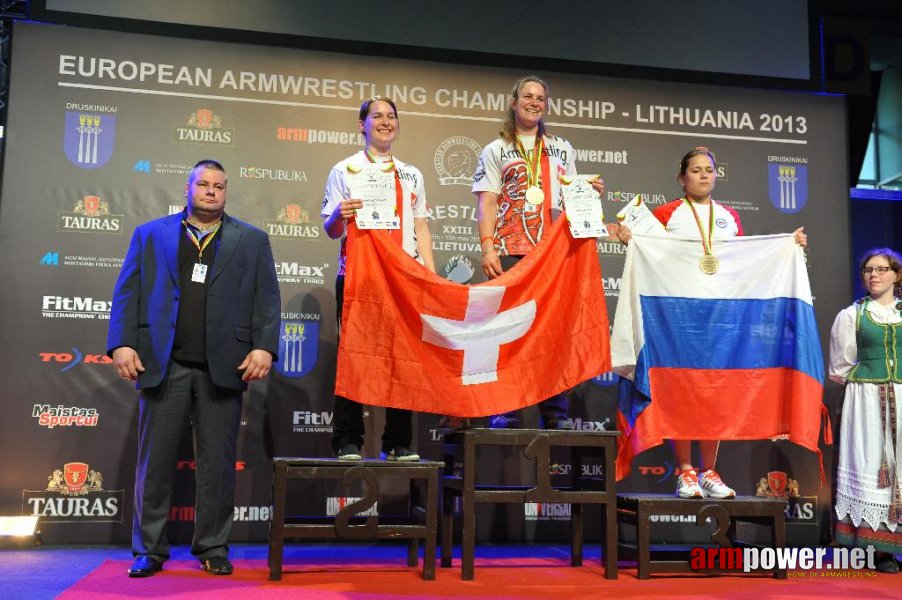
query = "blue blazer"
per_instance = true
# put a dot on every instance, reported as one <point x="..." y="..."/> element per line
<point x="243" y="305"/>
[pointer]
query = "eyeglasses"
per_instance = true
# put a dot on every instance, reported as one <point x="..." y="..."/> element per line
<point x="878" y="270"/>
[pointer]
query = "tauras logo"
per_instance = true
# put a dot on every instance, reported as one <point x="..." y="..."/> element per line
<point x="605" y="247"/>
<point x="292" y="222"/>
<point x="90" y="215"/>
<point x="74" y="494"/>
<point x="204" y="126"/>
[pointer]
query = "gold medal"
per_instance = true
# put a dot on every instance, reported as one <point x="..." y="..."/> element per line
<point x="708" y="264"/>
<point x="535" y="195"/>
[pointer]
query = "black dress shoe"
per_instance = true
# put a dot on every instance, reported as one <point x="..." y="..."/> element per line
<point x="887" y="564"/>
<point x="217" y="565"/>
<point x="144" y="566"/>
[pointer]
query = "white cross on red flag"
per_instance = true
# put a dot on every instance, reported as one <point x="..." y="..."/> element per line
<point x="413" y="340"/>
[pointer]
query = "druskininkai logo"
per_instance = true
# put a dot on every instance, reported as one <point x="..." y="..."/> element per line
<point x="89" y="139"/>
<point x="788" y="186"/>
<point x="297" y="348"/>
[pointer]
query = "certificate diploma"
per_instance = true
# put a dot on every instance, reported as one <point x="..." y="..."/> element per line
<point x="582" y="205"/>
<point x="639" y="219"/>
<point x="376" y="189"/>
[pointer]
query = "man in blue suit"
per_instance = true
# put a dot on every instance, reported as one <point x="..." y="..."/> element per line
<point x="195" y="316"/>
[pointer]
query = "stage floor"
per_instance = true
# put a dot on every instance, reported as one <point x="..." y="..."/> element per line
<point x="367" y="571"/>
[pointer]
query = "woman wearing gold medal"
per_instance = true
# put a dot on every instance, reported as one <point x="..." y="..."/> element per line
<point x="697" y="215"/>
<point x="518" y="190"/>
<point x="378" y="122"/>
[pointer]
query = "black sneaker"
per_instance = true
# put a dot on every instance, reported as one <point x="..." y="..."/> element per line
<point x="562" y="423"/>
<point x="455" y="423"/>
<point x="349" y="452"/>
<point x="401" y="454"/>
<point x="504" y="422"/>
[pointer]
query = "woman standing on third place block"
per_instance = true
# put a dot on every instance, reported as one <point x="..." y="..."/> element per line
<point x="697" y="215"/>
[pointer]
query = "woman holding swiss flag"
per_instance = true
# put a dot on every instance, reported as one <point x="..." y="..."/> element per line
<point x="378" y="122"/>
<point x="518" y="190"/>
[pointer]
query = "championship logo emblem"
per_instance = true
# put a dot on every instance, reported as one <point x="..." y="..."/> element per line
<point x="455" y="159"/>
<point x="298" y="345"/>
<point x="88" y="140"/>
<point x="460" y="269"/>
<point x="788" y="186"/>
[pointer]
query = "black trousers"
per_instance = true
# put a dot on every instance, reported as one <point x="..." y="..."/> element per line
<point x="347" y="425"/>
<point x="187" y="397"/>
<point x="551" y="408"/>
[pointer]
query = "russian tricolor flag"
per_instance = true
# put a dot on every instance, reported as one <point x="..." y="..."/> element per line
<point x="729" y="356"/>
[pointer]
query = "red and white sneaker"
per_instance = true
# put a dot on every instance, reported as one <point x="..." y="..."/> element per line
<point x="714" y="487"/>
<point x="687" y="485"/>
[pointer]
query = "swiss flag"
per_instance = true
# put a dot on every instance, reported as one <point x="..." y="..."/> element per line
<point x="413" y="340"/>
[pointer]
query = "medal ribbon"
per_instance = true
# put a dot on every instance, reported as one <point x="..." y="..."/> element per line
<point x="394" y="234"/>
<point x="201" y="245"/>
<point x="535" y="160"/>
<point x="532" y="158"/>
<point x="706" y="244"/>
<point x="546" y="189"/>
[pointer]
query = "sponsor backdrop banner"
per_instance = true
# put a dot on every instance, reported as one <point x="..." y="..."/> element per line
<point x="103" y="128"/>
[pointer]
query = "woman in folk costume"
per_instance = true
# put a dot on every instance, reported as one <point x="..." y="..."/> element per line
<point x="864" y="345"/>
